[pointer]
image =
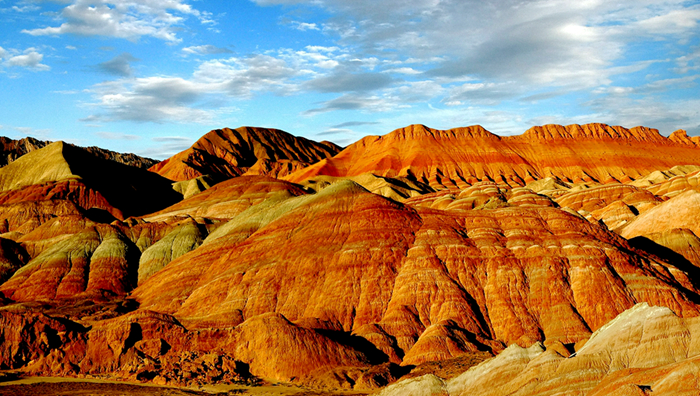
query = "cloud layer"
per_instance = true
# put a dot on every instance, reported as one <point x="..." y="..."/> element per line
<point x="129" y="19"/>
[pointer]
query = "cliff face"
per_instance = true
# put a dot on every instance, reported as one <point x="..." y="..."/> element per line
<point x="226" y="153"/>
<point x="459" y="157"/>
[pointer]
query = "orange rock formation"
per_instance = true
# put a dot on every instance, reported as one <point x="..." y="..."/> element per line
<point x="226" y="153"/>
<point x="570" y="254"/>
<point x="457" y="158"/>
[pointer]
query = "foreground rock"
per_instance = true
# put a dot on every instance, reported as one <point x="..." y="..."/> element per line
<point x="418" y="284"/>
<point x="644" y="350"/>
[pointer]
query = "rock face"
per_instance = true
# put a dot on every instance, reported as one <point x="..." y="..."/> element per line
<point x="422" y="251"/>
<point x="11" y="149"/>
<point x="354" y="261"/>
<point x="643" y="350"/>
<point x="459" y="157"/>
<point x="226" y="153"/>
<point x="61" y="171"/>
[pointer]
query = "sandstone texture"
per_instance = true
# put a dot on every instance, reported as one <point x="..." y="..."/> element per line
<point x="226" y="153"/>
<point x="459" y="157"/>
<point x="562" y="261"/>
<point x="644" y="350"/>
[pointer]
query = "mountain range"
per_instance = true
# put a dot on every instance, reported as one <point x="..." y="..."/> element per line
<point x="565" y="260"/>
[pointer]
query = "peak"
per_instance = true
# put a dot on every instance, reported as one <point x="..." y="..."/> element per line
<point x="595" y="131"/>
<point x="681" y="136"/>
<point x="419" y="130"/>
<point x="225" y="153"/>
<point x="42" y="165"/>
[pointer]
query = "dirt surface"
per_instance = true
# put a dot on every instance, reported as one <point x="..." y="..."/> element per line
<point x="46" y="386"/>
<point x="450" y="368"/>
<point x="88" y="388"/>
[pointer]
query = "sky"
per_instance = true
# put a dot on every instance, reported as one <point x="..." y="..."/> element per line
<point x="152" y="76"/>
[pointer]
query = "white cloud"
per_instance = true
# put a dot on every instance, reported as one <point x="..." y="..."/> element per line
<point x="304" y="26"/>
<point x="25" y="8"/>
<point x="167" y="146"/>
<point x="392" y="55"/>
<point x="129" y="19"/>
<point x="550" y="42"/>
<point x="205" y="50"/>
<point x="199" y="99"/>
<point x="29" y="58"/>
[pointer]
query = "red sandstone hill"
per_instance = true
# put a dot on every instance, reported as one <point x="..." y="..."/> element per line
<point x="61" y="171"/>
<point x="327" y="284"/>
<point x="459" y="157"/>
<point x="226" y="153"/>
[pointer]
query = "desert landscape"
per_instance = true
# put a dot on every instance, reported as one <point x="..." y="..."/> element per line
<point x="350" y="197"/>
<point x="564" y="260"/>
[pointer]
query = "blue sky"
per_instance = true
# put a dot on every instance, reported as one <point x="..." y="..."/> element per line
<point x="152" y="76"/>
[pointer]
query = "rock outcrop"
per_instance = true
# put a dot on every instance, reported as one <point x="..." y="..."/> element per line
<point x="226" y="153"/>
<point x="457" y="158"/>
<point x="644" y="350"/>
<point x="62" y="171"/>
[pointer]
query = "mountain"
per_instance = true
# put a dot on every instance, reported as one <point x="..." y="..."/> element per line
<point x="460" y="157"/>
<point x="417" y="284"/>
<point x="63" y="171"/>
<point x="549" y="270"/>
<point x="11" y="149"/>
<point x="226" y="153"/>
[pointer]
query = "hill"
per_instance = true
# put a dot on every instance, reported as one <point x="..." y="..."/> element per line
<point x="460" y="157"/>
<point x="226" y="153"/>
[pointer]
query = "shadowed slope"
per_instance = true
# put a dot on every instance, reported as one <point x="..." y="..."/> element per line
<point x="75" y="174"/>
<point x="11" y="149"/>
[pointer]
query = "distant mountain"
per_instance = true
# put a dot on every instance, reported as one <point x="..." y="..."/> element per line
<point x="460" y="157"/>
<point x="11" y="149"/>
<point x="226" y="153"/>
<point x="63" y="171"/>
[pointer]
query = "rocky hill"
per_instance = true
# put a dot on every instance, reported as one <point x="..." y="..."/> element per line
<point x="11" y="149"/>
<point x="226" y="153"/>
<point x="460" y="157"/>
<point x="562" y="261"/>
